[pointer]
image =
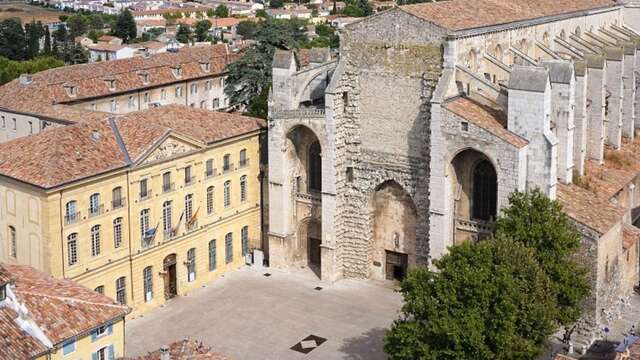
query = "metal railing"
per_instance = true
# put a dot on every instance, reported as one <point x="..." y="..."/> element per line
<point x="169" y="234"/>
<point x="145" y="196"/>
<point x="475" y="226"/>
<point x="310" y="197"/>
<point x="190" y="181"/>
<point x="72" y="218"/>
<point x="228" y="168"/>
<point x="168" y="187"/>
<point x="243" y="163"/>
<point x="95" y="211"/>
<point x="192" y="226"/>
<point x="147" y="242"/>
<point x="118" y="203"/>
<point x="209" y="175"/>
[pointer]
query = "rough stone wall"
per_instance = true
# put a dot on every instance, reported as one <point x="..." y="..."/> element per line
<point x="562" y="113"/>
<point x="595" y="114"/>
<point x="580" y="121"/>
<point x="391" y="62"/>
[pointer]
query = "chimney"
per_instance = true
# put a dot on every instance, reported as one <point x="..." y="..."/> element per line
<point x="529" y="113"/>
<point x="164" y="353"/>
<point x="26" y="79"/>
<point x="613" y="82"/>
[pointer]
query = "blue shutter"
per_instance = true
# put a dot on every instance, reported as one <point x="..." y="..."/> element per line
<point x="111" y="352"/>
<point x="68" y="347"/>
<point x="94" y="335"/>
<point x="110" y="329"/>
<point x="94" y="356"/>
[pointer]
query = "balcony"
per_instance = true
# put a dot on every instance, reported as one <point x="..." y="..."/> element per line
<point x="168" y="187"/>
<point x="192" y="226"/>
<point x="227" y="169"/>
<point x="72" y="218"/>
<point x="96" y="211"/>
<point x="118" y="203"/>
<point x="145" y="196"/>
<point x="209" y="175"/>
<point x="243" y="163"/>
<point x="474" y="226"/>
<point x="189" y="181"/>
<point x="312" y="197"/>
<point x="147" y="242"/>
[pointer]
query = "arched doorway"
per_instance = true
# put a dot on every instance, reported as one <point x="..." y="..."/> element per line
<point x="394" y="232"/>
<point x="475" y="193"/>
<point x="170" y="276"/>
<point x="306" y="251"/>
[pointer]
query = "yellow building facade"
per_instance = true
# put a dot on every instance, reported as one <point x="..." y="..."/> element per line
<point x="180" y="213"/>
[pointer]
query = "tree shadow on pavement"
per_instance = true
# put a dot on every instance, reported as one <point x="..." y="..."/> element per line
<point x="367" y="346"/>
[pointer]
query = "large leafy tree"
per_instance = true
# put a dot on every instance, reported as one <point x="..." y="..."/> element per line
<point x="77" y="25"/>
<point x="10" y="69"/>
<point x="485" y="301"/>
<point x="221" y="11"/>
<point x="125" y="27"/>
<point x="247" y="29"/>
<point x="249" y="78"/>
<point x="12" y="39"/>
<point x="184" y="33"/>
<point x="202" y="30"/>
<point x="538" y="222"/>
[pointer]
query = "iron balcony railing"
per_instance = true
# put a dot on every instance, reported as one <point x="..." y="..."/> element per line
<point x="189" y="181"/>
<point x="243" y="163"/>
<point x="118" y="203"/>
<point x="72" y="218"/>
<point x="168" y="187"/>
<point x="210" y="174"/>
<point x="228" y="168"/>
<point x="96" y="210"/>
<point x="145" y="196"/>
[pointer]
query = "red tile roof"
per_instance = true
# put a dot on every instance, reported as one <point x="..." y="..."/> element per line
<point x="592" y="211"/>
<point x="47" y="87"/>
<point x="464" y="14"/>
<point x="66" y="154"/>
<point x="187" y="350"/>
<point x="486" y="115"/>
<point x="61" y="308"/>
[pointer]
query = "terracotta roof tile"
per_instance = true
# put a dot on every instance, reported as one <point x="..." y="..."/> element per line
<point x="592" y="211"/>
<point x="47" y="87"/>
<point x="487" y="116"/>
<point x="66" y="154"/>
<point x="463" y="14"/>
<point x="630" y="236"/>
<point x="61" y="308"/>
<point x="187" y="350"/>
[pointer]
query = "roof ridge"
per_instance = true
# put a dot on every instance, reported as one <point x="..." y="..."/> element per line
<point x="65" y="298"/>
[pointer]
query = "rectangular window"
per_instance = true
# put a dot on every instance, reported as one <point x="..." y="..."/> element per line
<point x="243" y="158"/>
<point x="166" y="182"/>
<point x="178" y="91"/>
<point x="194" y="88"/>
<point x="147" y="275"/>
<point x="30" y="127"/>
<point x="212" y="255"/>
<point x="244" y="239"/>
<point x="4" y="122"/>
<point x="114" y="105"/>
<point x="228" y="247"/>
<point x="227" y="194"/>
<point x="191" y="265"/>
<point x="68" y="347"/>
<point x="121" y="295"/>
<point x="215" y="103"/>
<point x="144" y="228"/>
<point x="95" y="240"/>
<point x="146" y="97"/>
<point x="117" y="232"/>
<point x="15" y="124"/>
<point x="209" y="172"/>
<point x="243" y="188"/>
<point x="131" y="102"/>
<point x="72" y="248"/>
<point x="14" y="242"/>
<point x="144" y="191"/>
<point x="208" y="85"/>
<point x="210" y="198"/>
<point x="188" y="179"/>
<point x="163" y="94"/>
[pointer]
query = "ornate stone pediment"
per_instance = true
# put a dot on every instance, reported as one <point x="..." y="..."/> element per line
<point x="169" y="148"/>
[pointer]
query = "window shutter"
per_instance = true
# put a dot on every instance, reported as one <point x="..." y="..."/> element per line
<point x="111" y="352"/>
<point x="110" y="329"/>
<point x="94" y="356"/>
<point x="93" y="335"/>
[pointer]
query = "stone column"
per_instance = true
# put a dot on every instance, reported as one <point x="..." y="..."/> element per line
<point x="580" y="119"/>
<point x="595" y="107"/>
<point x="613" y="97"/>
<point x="629" y="91"/>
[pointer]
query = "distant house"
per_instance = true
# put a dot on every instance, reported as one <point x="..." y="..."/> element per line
<point x="103" y="52"/>
<point x="110" y="40"/>
<point x="143" y="26"/>
<point x="299" y="13"/>
<point x="46" y="318"/>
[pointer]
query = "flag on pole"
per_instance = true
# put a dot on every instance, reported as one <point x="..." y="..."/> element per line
<point x="174" y="230"/>
<point x="151" y="233"/>
<point x="193" y="217"/>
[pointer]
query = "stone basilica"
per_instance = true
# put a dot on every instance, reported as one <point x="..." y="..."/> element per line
<point x="412" y="139"/>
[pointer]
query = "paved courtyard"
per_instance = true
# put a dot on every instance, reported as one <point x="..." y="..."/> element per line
<point x="247" y="315"/>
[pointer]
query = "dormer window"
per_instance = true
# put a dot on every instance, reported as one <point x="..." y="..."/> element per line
<point x="144" y="77"/>
<point x="177" y="71"/>
<point x="204" y="64"/>
<point x="71" y="89"/>
<point x="111" y="84"/>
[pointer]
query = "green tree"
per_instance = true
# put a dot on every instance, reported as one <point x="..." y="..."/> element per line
<point x="184" y="33"/>
<point x="47" y="41"/>
<point x="249" y="78"/>
<point x="202" y="30"/>
<point x="125" y="27"/>
<point x="96" y="22"/>
<point x="94" y="35"/>
<point x="77" y="25"/>
<point x="10" y="69"/>
<point x="358" y="8"/>
<point x="211" y="13"/>
<point x="247" y="29"/>
<point x="12" y="39"/>
<point x="222" y="11"/>
<point x="486" y="301"/>
<point x="262" y="13"/>
<point x="276" y="4"/>
<point x="538" y="222"/>
<point x="33" y="33"/>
